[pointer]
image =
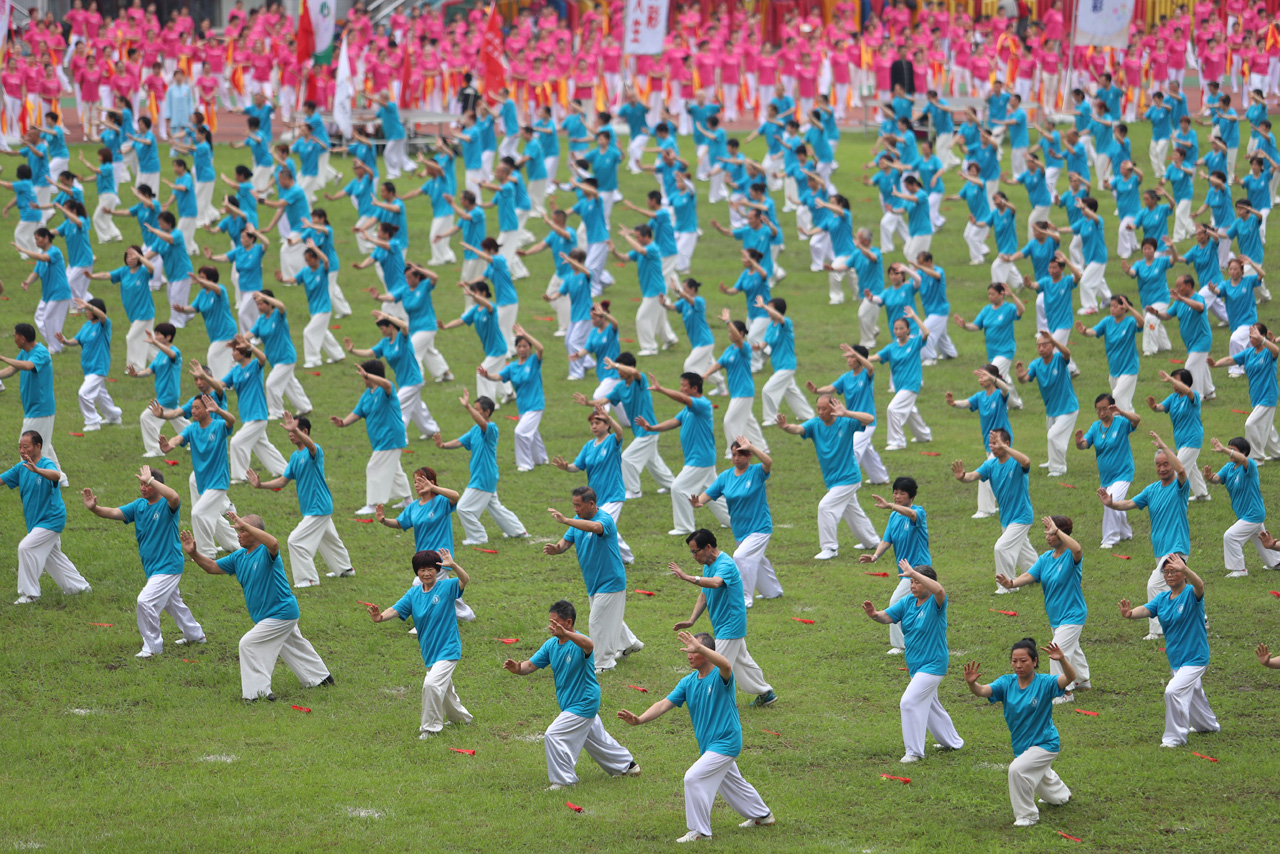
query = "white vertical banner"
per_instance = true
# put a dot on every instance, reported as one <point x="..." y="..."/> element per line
<point x="1103" y="23"/>
<point x="646" y="26"/>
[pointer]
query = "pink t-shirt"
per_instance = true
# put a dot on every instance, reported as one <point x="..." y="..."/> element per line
<point x="1026" y="66"/>
<point x="208" y="86"/>
<point x="92" y="24"/>
<point x="807" y="80"/>
<point x="76" y="19"/>
<point x="767" y="70"/>
<point x="611" y="58"/>
<point x="12" y="82"/>
<point x="840" y="66"/>
<point x="881" y="65"/>
<point x="262" y="66"/>
<point x="920" y="74"/>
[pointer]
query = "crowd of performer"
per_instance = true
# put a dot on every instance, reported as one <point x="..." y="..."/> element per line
<point x="204" y="236"/>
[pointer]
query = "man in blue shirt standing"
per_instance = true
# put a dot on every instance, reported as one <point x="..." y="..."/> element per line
<point x="1006" y="470"/>
<point x="482" y="490"/>
<point x="595" y="535"/>
<point x="1240" y="477"/>
<point x="36" y="477"/>
<point x="256" y="565"/>
<point x="379" y="406"/>
<point x="35" y="386"/>
<point x="710" y="692"/>
<point x="155" y="520"/>
<point x="1052" y="373"/>
<point x="570" y="655"/>
<point x="1165" y="500"/>
<point x="651" y="317"/>
<point x="316" y="531"/>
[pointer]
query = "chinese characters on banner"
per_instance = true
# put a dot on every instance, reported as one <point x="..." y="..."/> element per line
<point x="1103" y="23"/>
<point x="646" y="26"/>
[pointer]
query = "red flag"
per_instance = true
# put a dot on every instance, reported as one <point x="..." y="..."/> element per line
<point x="491" y="53"/>
<point x="305" y="37"/>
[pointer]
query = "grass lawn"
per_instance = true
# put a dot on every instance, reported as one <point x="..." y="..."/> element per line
<point x="106" y="752"/>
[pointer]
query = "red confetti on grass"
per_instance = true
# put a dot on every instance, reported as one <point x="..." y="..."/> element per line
<point x="546" y="319"/>
<point x="6" y="299"/>
<point x="1176" y="362"/>
<point x="171" y="462"/>
<point x="1123" y="557"/>
<point x="104" y="625"/>
<point x="877" y="574"/>
<point x="512" y="417"/>
<point x="1083" y="712"/>
<point x="1275" y="593"/>
<point x="902" y="668"/>
<point x="620" y="264"/>
<point x="81" y="435"/>
<point x="461" y="750"/>
<point x="508" y="640"/>
<point x="573" y="806"/>
<point x="363" y="521"/>
<point x="646" y="592"/>
<point x="315" y="373"/>
<point x="336" y="326"/>
<point x="1006" y="613"/>
<point x="1241" y="411"/>
<point x="1068" y="836"/>
<point x="802" y="620"/>
<point x="1067" y="485"/>
<point x="112" y="380"/>
<point x="930" y="453"/>
<point x="638" y="688"/>
<point x="1202" y="756"/>
<point x="406" y="450"/>
<point x="1159" y="649"/>
<point x="303" y="709"/>
<point x="486" y="551"/>
<point x="771" y="732"/>
<point x="903" y="780"/>
<point x="369" y="604"/>
<point x="190" y="661"/>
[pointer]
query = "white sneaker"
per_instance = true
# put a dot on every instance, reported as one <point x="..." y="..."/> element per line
<point x="692" y="836"/>
<point x="1152" y="637"/>
<point x="401" y="504"/>
<point x="185" y="641"/>
<point x="826" y="554"/>
<point x="634" y="648"/>
<point x="1044" y="465"/>
<point x="1065" y="698"/>
<point x="1106" y="546"/>
<point x="895" y="650"/>
<point x="909" y="758"/>
<point x="414" y="631"/>
<point x="555" y="787"/>
<point x="633" y="770"/>
<point x="143" y="653"/>
<point x="675" y="533"/>
<point x="346" y="573"/>
<point x="1002" y="590"/>
<point x="1026" y="822"/>
<point x="1238" y="573"/>
<point x="981" y="515"/>
<point x="367" y="510"/>
<point x="759" y="822"/>
<point x="302" y="584"/>
<point x="24" y="599"/>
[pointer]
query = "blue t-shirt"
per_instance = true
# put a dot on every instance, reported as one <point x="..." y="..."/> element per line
<point x="400" y="355"/>
<point x="997" y="327"/>
<point x="277" y="344"/>
<point x="155" y="526"/>
<point x="577" y="287"/>
<point x="859" y="392"/>
<point x="1246" y="495"/>
<point x="833" y="443"/>
<point x="383" y="423"/>
<point x="435" y="618"/>
<point x="1057" y="300"/>
<point x="602" y="463"/>
<point x="95" y="347"/>
<point x="736" y="361"/>
<point x="697" y="434"/>
<point x="1186" y="640"/>
<point x="35" y="386"/>
<point x="251" y="397"/>
<point x="602" y="343"/>
<point x="483" y="445"/>
<point x="577" y="691"/>
<point x="910" y="540"/>
<point x="993" y="414"/>
<point x="248" y="264"/>
<point x="1260" y="369"/>
<point x="209" y="453"/>
<point x="904" y="363"/>
<point x="1060" y="579"/>
<point x="308" y="473"/>
<point x="1193" y="326"/>
<point x="266" y="587"/>
<point x="635" y="399"/>
<point x="53" y="276"/>
<point x="924" y="630"/>
<point x="694" y="316"/>
<point x="42" y="505"/>
<point x="1118" y="337"/>
<point x="1184" y="412"/>
<point x="1111" y="444"/>
<point x="781" y="341"/>
<point x="1029" y="711"/>
<point x="167" y="377"/>
<point x="1167" y="506"/>
<point x="726" y="607"/>
<point x="748" y="500"/>
<point x="526" y="378"/>
<point x="598" y="556"/>
<point x="712" y="709"/>
<point x="432" y="527"/>
<point x="649" y="270"/>
<point x="215" y="309"/>
<point x="135" y="292"/>
<point x="485" y="321"/>
<point x="1009" y="483"/>
<point x="79" y="253"/>
<point x="1054" y="380"/>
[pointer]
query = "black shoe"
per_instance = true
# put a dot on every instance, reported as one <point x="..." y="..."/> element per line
<point x="271" y="698"/>
<point x="328" y="680"/>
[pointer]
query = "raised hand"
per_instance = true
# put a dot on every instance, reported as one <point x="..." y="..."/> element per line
<point x="868" y="608"/>
<point x="90" y="500"/>
<point x="188" y="542"/>
<point x="1126" y="610"/>
<point x="559" y="517"/>
<point x="1264" y="654"/>
<point x="971" y="673"/>
<point x="512" y="666"/>
<point x="1053" y="651"/>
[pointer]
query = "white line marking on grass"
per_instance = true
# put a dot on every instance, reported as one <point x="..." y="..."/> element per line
<point x="993" y="766"/>
<point x="27" y="846"/>
<point x="398" y="691"/>
<point x="363" y="812"/>
<point x="82" y="712"/>
<point x="539" y="736"/>
<point x="218" y="757"/>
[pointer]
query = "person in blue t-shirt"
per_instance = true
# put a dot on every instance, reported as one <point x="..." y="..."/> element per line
<point x="525" y="377"/>
<point x="1052" y="374"/>
<point x="594" y="535"/>
<point x="482" y="489"/>
<point x="483" y="317"/>
<point x="94" y="340"/>
<point x="379" y="406"/>
<point x="1165" y="501"/>
<point x="1240" y="477"/>
<point x="601" y="459"/>
<point x="1028" y="698"/>
<point x="721" y="597"/>
<point x="570" y="655"/>
<point x="1006" y="469"/>
<point x="272" y="328"/>
<point x="996" y="324"/>
<point x="1060" y="572"/>
<point x="430" y="602"/>
<point x="857" y="386"/>
<point x="710" y="692"/>
<point x="832" y="431"/>
<point x="651" y="318"/>
<point x="1118" y="332"/>
<point x="780" y="339"/>
<point x="1109" y="438"/>
<point x="1180" y="608"/>
<point x="38" y="481"/>
<point x="907" y="531"/>
<point x="1258" y="361"/>
<point x="1183" y="408"/>
<point x="902" y="355"/>
<point x="155" y="520"/>
<point x="739" y="418"/>
<point x="316" y="531"/>
<point x="923" y="619"/>
<point x="257" y="566"/>
<point x="166" y="369"/>
<point x="992" y="405"/>
<point x="745" y="490"/>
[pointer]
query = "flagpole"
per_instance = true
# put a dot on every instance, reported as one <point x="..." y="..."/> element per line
<point x="1065" y="91"/>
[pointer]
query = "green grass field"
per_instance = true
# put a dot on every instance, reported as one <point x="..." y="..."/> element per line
<point x="108" y="753"/>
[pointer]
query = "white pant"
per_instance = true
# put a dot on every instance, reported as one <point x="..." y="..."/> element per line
<point x="686" y="244"/>
<point x="137" y="351"/>
<point x="472" y="504"/>
<point x="247" y="313"/>
<point x="50" y="318"/>
<point x="756" y="569"/>
<point x="1154" y="336"/>
<point x="530" y="451"/>
<point x="93" y="395"/>
<point x="1260" y="430"/>
<point x="575" y="337"/>
<point x="507" y="315"/>
<point x="179" y="293"/>
<point x="975" y="237"/>
<point x="652" y="323"/>
<point x="569" y="735"/>
<point x="1068" y="638"/>
<point x="938" y="344"/>
<point x="1233" y="542"/>
<point x="394" y="157"/>
<point x="740" y="420"/>
<point x="902" y="413"/>
<point x="486" y="387"/>
<point x="1094" y="292"/>
<point x="1238" y="341"/>
<point x="614" y="509"/>
<point x="40" y="551"/>
<point x="1190" y="457"/>
<point x="318" y="341"/>
<point x="1059" y="429"/>
<point x="1122" y="389"/>
<point x="1183" y="226"/>
<point x="1155" y="586"/>
<point x="273" y="639"/>
<point x="692" y="480"/>
<point x="1030" y="775"/>
<point x="441" y="252"/>
<point x="316" y="533"/>
<point x="1115" y="524"/>
<point x="915" y="245"/>
<point x="251" y="438"/>
<point x="208" y="524"/>
<point x="413" y="410"/>
<point x="841" y="502"/>
<point x="150" y="426"/>
<point x="1006" y="272"/>
<point x="642" y="453"/>
<point x="701" y="358"/>
<point x="44" y="426"/>
<point x="608" y="628"/>
<point x="868" y="458"/>
<point x="104" y="224"/>
<point x="440" y="700"/>
<point x="161" y="593"/>
<point x="921" y="711"/>
<point x="756" y="328"/>
<point x="890" y="224"/>
<point x="746" y="672"/>
<point x="712" y="774"/>
<point x="1201" y="379"/>
<point x="1186" y="707"/>
<point x="431" y="361"/>
<point x="384" y="478"/>
<point x="1126" y="238"/>
<point x="280" y="382"/>
<point x="780" y="386"/>
<point x="1013" y="551"/>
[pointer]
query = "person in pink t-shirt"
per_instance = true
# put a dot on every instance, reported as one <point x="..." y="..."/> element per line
<point x="840" y="77"/>
<point x="766" y="79"/>
<point x="880" y="67"/>
<point x="14" y="83"/>
<point x="730" y="80"/>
